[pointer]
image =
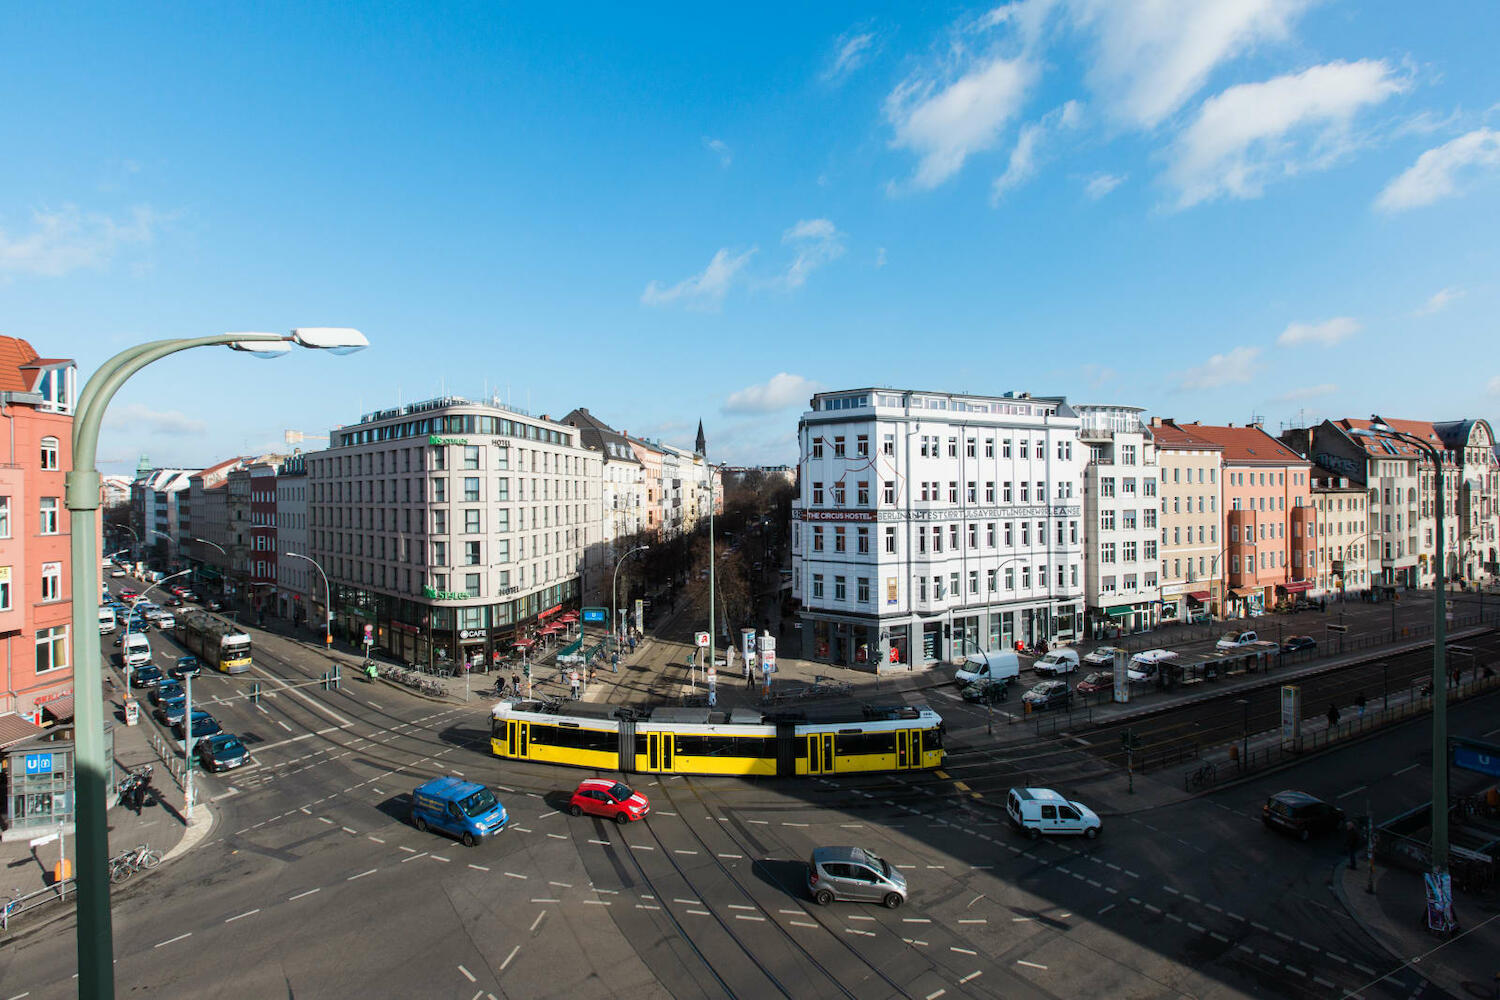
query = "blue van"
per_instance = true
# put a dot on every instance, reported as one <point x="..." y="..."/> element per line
<point x="467" y="810"/>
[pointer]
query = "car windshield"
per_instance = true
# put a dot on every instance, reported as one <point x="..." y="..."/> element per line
<point x="1230" y="637"/>
<point x="877" y="862"/>
<point x="227" y="744"/>
<point x="479" y="803"/>
<point x="620" y="792"/>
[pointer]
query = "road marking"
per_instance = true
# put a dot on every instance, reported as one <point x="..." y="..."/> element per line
<point x="1030" y="965"/>
<point x="862" y="918"/>
<point x="785" y="823"/>
<point x="1284" y="936"/>
<point x="698" y="913"/>
<point x="569" y="885"/>
<point x="801" y="923"/>
<point x="1353" y="791"/>
<point x="247" y="913"/>
<point x="1234" y="916"/>
<point x="1215" y="907"/>
<point x="1171" y="890"/>
<point x="438" y="858"/>
<point x="603" y="842"/>
<point x="351" y="878"/>
<point x="283" y="725"/>
<point x="1196" y="927"/>
<point x="1259" y="926"/>
<point x="598" y="902"/>
<point x="478" y="868"/>
<point x="1191" y="898"/>
<point x="1218" y="937"/>
<point x="736" y="857"/>
<point x="546" y="814"/>
<point x="916" y="942"/>
<point x="173" y="940"/>
<point x="663" y="812"/>
<point x="856" y="930"/>
<point x="544" y="900"/>
<point x="408" y="850"/>
<point x="1153" y="909"/>
<point x="325" y="819"/>
<point x="640" y="847"/>
<point x="1174" y="918"/>
<point x="935" y="994"/>
<point x="916" y="920"/>
<point x="1397" y="774"/>
<point x="1267" y="958"/>
<point x="962" y="951"/>
<point x="301" y="894"/>
<point x="688" y="902"/>
<point x="413" y="857"/>
<point x="467" y="974"/>
<point x="509" y="957"/>
<point x="374" y="706"/>
<point x="748" y="916"/>
<point x="1102" y="912"/>
<point x="760" y="822"/>
<point x="679" y="851"/>
<point x="974" y="920"/>
<point x="557" y="836"/>
<point x="514" y="875"/>
<point x="1293" y="968"/>
<point x="1363" y="968"/>
<point x="376" y="839"/>
<point x="973" y="975"/>
<point x="1323" y="982"/>
<point x="1020" y="920"/>
<point x="742" y="906"/>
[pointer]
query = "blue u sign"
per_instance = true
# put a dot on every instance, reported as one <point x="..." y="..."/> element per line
<point x="39" y="763"/>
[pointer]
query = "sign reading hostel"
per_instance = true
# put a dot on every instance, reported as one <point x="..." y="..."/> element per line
<point x="434" y="439"/>
<point x="445" y="595"/>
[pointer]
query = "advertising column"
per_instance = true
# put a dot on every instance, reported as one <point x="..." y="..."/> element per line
<point x="766" y="647"/>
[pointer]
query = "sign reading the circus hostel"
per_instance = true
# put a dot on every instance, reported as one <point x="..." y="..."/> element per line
<point x="838" y="515"/>
<point x="434" y="439"/>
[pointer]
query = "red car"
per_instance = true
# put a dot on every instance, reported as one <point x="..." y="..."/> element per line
<point x="1096" y="682"/>
<point x="610" y="799"/>
<point x="128" y="595"/>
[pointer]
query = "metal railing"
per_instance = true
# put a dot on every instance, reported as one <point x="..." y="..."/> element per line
<point x="18" y="903"/>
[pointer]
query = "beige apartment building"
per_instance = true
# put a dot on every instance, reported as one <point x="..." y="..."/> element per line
<point x="1191" y="520"/>
<point x="1341" y="532"/>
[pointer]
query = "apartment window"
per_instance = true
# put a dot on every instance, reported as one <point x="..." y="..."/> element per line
<point x="952" y="491"/>
<point x="990" y="580"/>
<point x="4" y="517"/>
<point x="1107" y="486"/>
<point x="1106" y="520"/>
<point x="817" y="447"/>
<point x="471" y="456"/>
<point x="862" y="540"/>
<point x="440" y="522"/>
<point x="838" y="539"/>
<point x="472" y="524"/>
<point x="1010" y="578"/>
<point x="862" y="590"/>
<point x="1024" y="445"/>
<point x="890" y="539"/>
<point x="1025" y="532"/>
<point x="864" y="494"/>
<point x="973" y="581"/>
<point x="5" y="589"/>
<point x="862" y="446"/>
<point x="52" y="649"/>
<point x="49" y="453"/>
<point x="817" y="494"/>
<point x="922" y="588"/>
<point x="439" y="457"/>
<point x="52" y="581"/>
<point x="471" y="489"/>
<point x="471" y="584"/>
<point x="953" y="584"/>
<point x="1008" y="542"/>
<point x="972" y="492"/>
<point x="1025" y="577"/>
<point x="989" y="492"/>
<point x="989" y="534"/>
<point x="937" y="538"/>
<point x="838" y="494"/>
<point x="973" y="536"/>
<point x="439" y="553"/>
<point x="1128" y="551"/>
<point x="471" y="554"/>
<point x="1127" y="454"/>
<point x="1005" y="493"/>
<point x="888" y="444"/>
<point x="889" y="492"/>
<point x="953" y="447"/>
<point x="817" y="538"/>
<point x="989" y="449"/>
<point x="1107" y="552"/>
<point x="953" y="537"/>
<point x="1005" y="453"/>
<point x="838" y="446"/>
<point x="840" y="589"/>
<point x="1025" y="492"/>
<point x="502" y="553"/>
<point x="440" y="490"/>
<point x="49" y="515"/>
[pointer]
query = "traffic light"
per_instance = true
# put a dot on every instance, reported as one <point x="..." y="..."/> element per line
<point x="526" y="668"/>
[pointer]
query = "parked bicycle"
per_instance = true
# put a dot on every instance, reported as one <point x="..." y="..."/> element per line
<point x="1204" y="775"/>
<point x="127" y="863"/>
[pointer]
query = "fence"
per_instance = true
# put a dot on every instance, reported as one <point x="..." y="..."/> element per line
<point x="18" y="904"/>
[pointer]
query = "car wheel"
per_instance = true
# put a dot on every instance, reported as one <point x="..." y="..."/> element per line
<point x="575" y="810"/>
<point x="1034" y="833"/>
<point x="823" y="897"/>
<point x="1091" y="833"/>
<point x="420" y="824"/>
<point x="892" y="900"/>
<point x="468" y="839"/>
<point x="622" y="817"/>
<point x="1304" y="833"/>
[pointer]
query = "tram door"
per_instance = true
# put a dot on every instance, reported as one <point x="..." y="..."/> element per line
<point x="659" y="751"/>
<point x="904" y="747"/>
<point x="516" y="738"/>
<point x="820" y="753"/>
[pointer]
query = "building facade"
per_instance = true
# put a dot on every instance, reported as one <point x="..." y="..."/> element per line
<point x="450" y="527"/>
<point x="1476" y="506"/>
<point x="36" y="579"/>
<point x="1192" y="528"/>
<point x="1341" y="526"/>
<point x="930" y="525"/>
<point x="207" y="537"/>
<point x="621" y="490"/>
<point x="296" y="579"/>
<point x="155" y="511"/>
<point x="1120" y="512"/>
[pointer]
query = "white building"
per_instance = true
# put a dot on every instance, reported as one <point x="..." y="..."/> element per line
<point x="1342" y="531"/>
<point x="621" y="490"/>
<point x="1120" y="513"/>
<point x="450" y="527"/>
<point x="929" y="524"/>
<point x="296" y="579"/>
<point x="155" y="510"/>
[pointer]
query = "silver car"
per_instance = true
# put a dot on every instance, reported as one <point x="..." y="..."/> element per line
<point x="854" y="874"/>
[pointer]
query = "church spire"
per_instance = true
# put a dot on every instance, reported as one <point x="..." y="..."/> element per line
<point x="701" y="447"/>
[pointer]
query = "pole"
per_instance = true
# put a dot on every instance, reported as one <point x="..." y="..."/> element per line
<point x="1439" y="688"/>
<point x="187" y="745"/>
<point x="1385" y="681"/>
<point x="711" y="636"/>
<point x="1245" y="739"/>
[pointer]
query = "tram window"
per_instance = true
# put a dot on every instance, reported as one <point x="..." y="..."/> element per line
<point x="640" y="744"/>
<point x="864" y="743"/>
<point x="932" y="739"/>
<point x="574" y="739"/>
<point x="714" y="745"/>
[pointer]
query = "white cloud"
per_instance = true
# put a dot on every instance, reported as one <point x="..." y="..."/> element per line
<point x="1152" y="57"/>
<point x="720" y="149"/>
<point x="850" y="52"/>
<point x="781" y="391"/>
<point x="1253" y="133"/>
<point x="1440" y="300"/>
<point x="1327" y="333"/>
<point x="1307" y="392"/>
<point x="704" y="290"/>
<point x="817" y="242"/>
<point x="946" y="124"/>
<point x="1102" y="184"/>
<point x="1023" y="158"/>
<point x="1234" y="367"/>
<point x="140" y="417"/>
<point x="67" y="240"/>
<point x="1435" y="174"/>
<point x="1493" y="387"/>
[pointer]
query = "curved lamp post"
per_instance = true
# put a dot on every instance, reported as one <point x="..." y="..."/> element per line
<point x="327" y="606"/>
<point x="614" y="599"/>
<point x="95" y="933"/>
<point x="1380" y="429"/>
<point x="131" y="615"/>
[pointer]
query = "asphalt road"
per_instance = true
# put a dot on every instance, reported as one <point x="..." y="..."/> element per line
<point x="312" y="882"/>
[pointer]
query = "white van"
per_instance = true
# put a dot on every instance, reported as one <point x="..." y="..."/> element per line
<point x="136" y="651"/>
<point x="1036" y="811"/>
<point x="1001" y="666"/>
<point x="1147" y="664"/>
<point x="1234" y="640"/>
<point x="107" y="621"/>
<point x="1056" y="663"/>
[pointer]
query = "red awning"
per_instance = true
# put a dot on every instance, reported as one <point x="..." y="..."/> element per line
<point x="1199" y="595"/>
<point x="524" y="643"/>
<point x="1297" y="586"/>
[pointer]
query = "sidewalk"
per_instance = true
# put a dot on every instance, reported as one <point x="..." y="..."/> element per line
<point x="1394" y="916"/>
<point x="161" y="824"/>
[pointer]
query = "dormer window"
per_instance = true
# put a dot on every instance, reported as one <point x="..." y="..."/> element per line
<point x="58" y="386"/>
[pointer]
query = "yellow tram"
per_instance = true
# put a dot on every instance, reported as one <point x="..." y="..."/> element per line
<point x="671" y="740"/>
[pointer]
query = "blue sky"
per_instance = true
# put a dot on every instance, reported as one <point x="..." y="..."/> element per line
<point x="1272" y="207"/>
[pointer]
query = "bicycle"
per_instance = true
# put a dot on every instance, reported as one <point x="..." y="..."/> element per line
<point x="1204" y="775"/>
<point x="127" y="863"/>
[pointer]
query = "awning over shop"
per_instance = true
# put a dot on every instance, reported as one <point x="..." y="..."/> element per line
<point x="14" y="729"/>
<point x="1199" y="596"/>
<point x="61" y="709"/>
<point x="1296" y="586"/>
<point x="1245" y="591"/>
<point x="524" y="643"/>
<point x="1118" y="610"/>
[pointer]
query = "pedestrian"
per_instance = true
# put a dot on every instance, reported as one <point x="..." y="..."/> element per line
<point x="1351" y="844"/>
<point x="632" y="644"/>
<point x="1455" y="677"/>
<point x="1333" y="715"/>
<point x="1359" y="703"/>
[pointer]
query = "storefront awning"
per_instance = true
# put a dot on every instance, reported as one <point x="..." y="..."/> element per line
<point x="1199" y="596"/>
<point x="1245" y="591"/>
<point x="1296" y="586"/>
<point x="524" y="643"/>
<point x="60" y="709"/>
<point x="1118" y="610"/>
<point x="14" y="729"/>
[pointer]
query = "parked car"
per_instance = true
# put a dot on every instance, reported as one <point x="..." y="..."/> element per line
<point x="985" y="692"/>
<point x="855" y="874"/>
<point x="174" y="601"/>
<point x="213" y="605"/>
<point x="1234" y="640"/>
<point x="164" y="690"/>
<point x="998" y="665"/>
<point x="186" y="666"/>
<point x="1300" y="814"/>
<point x="187" y="595"/>
<point x="1048" y="694"/>
<point x="1095" y="682"/>
<point x="128" y="595"/>
<point x="117" y="572"/>
<point x="1296" y="643"/>
<point x="203" y="725"/>
<point x="221" y="752"/>
<point x="1038" y="811"/>
<point x="1056" y="663"/>
<point x="170" y="709"/>
<point x="146" y="677"/>
<point x="1146" y="664"/>
<point x="610" y="799"/>
<point x="1101" y="656"/>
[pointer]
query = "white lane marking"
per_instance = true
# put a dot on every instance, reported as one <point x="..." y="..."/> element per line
<point x="935" y="994"/>
<point x="871" y="919"/>
<point x="962" y="951"/>
<point x="1153" y="909"/>
<point x="697" y="913"/>
<point x="546" y="814"/>
<point x="647" y="906"/>
<point x="640" y="847"/>
<point x="856" y="930"/>
<point x="283" y="725"/>
<point x="680" y="851"/>
<point x="569" y="885"/>
<point x="374" y="706"/>
<point x="974" y="920"/>
<point x="325" y="819"/>
<point x="376" y="839"/>
<point x="467" y="974"/>
<point x="1030" y="965"/>
<point x="748" y="916"/>
<point x="736" y="857"/>
<point x="537" y="921"/>
<point x="545" y="899"/>
<point x="1171" y="890"/>
<point x="598" y="902"/>
<point x="351" y="878"/>
<point x="801" y="923"/>
<point x="916" y="920"/>
<point x="1197" y="927"/>
<point x="786" y="823"/>
<point x="1363" y="968"/>
<point x="557" y="836"/>
<point x="478" y="868"/>
<point x="247" y="913"/>
<point x="603" y="842"/>
<point x="1020" y="920"/>
<point x="1102" y="912"/>
<point x="973" y="975"/>
<point x="514" y="875"/>
<point x="1294" y="969"/>
<point x="173" y="940"/>
<point x="413" y="857"/>
<point x="408" y="850"/>
<point x="688" y="902"/>
<point x="1397" y="774"/>
<point x="1353" y="791"/>
<point x="1267" y="958"/>
<point x="742" y="906"/>
<point x="1323" y="982"/>
<point x="509" y="957"/>
<point x="301" y="894"/>
<point x="349" y="830"/>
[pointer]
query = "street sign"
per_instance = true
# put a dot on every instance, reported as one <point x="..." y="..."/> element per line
<point x="1121" y="676"/>
<point x="1291" y="715"/>
<point x="39" y="763"/>
<point x="1471" y="759"/>
<point x="596" y="615"/>
<point x="38" y="842"/>
<point x="700" y="639"/>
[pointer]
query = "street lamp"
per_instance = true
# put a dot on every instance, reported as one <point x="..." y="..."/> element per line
<point x="327" y="603"/>
<point x="95" y="935"/>
<point x="1378" y="429"/>
<point x="1245" y="738"/>
<point x="614" y="602"/>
